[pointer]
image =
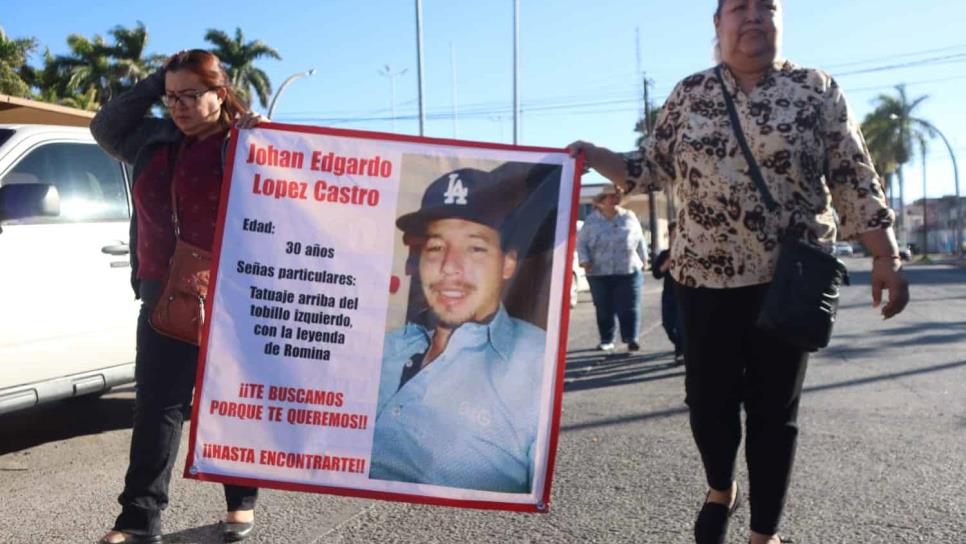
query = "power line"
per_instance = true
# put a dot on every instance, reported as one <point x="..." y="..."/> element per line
<point x="589" y="104"/>
<point x="958" y="57"/>
<point x="893" y="57"/>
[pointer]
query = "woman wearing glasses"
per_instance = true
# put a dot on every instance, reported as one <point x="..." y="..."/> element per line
<point x="184" y="153"/>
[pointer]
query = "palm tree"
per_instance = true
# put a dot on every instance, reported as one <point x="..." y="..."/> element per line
<point x="892" y="132"/>
<point x="94" y="70"/>
<point x="130" y="64"/>
<point x="83" y="101"/>
<point x="239" y="58"/>
<point x="13" y="61"/>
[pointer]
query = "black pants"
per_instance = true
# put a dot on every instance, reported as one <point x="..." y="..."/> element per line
<point x="165" y="377"/>
<point x="671" y="317"/>
<point x="729" y="363"/>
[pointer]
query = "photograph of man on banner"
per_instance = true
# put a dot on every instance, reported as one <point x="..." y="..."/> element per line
<point x="459" y="395"/>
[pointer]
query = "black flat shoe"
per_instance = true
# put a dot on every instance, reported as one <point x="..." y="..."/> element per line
<point x="236" y="531"/>
<point x="711" y="527"/>
<point x="131" y="538"/>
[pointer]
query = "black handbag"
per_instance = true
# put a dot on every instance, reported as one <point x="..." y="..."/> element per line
<point x="802" y="300"/>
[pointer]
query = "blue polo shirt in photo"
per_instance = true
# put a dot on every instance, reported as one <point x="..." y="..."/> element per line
<point x="468" y="419"/>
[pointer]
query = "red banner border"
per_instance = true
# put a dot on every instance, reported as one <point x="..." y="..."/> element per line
<point x="541" y="507"/>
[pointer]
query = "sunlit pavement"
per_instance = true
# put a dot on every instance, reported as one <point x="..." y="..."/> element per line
<point x="881" y="455"/>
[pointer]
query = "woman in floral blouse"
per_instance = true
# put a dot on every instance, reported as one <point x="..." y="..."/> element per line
<point x="813" y="158"/>
<point x="610" y="248"/>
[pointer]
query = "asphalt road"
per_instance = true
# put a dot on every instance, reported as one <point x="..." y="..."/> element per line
<point x="882" y="456"/>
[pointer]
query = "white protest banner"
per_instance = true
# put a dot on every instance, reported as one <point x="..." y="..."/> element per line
<point x="387" y="318"/>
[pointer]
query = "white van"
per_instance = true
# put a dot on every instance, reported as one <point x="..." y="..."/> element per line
<point x="67" y="311"/>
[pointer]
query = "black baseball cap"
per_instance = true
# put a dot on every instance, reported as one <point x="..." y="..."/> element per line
<point x="487" y="198"/>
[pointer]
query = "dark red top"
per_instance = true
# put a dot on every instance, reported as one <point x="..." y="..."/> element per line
<point x="197" y="179"/>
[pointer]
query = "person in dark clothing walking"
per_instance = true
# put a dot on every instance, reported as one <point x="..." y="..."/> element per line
<point x="670" y="317"/>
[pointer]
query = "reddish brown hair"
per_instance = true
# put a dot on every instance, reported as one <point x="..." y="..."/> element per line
<point x="208" y="68"/>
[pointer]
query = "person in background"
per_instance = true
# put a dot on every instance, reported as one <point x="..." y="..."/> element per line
<point x="670" y="317"/>
<point x="185" y="150"/>
<point x="812" y="155"/>
<point x="611" y="249"/>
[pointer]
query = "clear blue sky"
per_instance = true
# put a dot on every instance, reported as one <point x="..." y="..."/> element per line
<point x="578" y="58"/>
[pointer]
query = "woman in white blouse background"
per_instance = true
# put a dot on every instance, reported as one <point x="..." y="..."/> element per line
<point x="611" y="249"/>
<point x="813" y="159"/>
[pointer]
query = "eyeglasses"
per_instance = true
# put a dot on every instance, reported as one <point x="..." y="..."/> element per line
<point x="188" y="98"/>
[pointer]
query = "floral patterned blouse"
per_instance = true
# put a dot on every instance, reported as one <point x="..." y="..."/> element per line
<point x="811" y="155"/>
<point x="614" y="247"/>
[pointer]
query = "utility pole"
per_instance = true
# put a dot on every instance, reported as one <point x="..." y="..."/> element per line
<point x="651" y="204"/>
<point x="646" y="127"/>
<point x="452" y="67"/>
<point x="902" y="234"/>
<point x="516" y="71"/>
<point x="419" y="64"/>
<point x="925" y="204"/>
<point x="386" y="71"/>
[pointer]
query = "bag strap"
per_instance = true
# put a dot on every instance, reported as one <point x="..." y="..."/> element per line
<point x="174" y="152"/>
<point x="753" y="169"/>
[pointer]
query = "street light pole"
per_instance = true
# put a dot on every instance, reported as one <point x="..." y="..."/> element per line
<point x="419" y="64"/>
<point x="516" y="71"/>
<point x="958" y="223"/>
<point x="286" y="83"/>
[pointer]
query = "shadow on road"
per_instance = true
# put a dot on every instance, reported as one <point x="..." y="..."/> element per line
<point x="918" y="335"/>
<point x="810" y="389"/>
<point x="206" y="533"/>
<point x="66" y="419"/>
<point x="918" y="275"/>
<point x="913" y="300"/>
<point x="591" y="369"/>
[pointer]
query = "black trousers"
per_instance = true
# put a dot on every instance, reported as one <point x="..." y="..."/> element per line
<point x="165" y="378"/>
<point x="730" y="363"/>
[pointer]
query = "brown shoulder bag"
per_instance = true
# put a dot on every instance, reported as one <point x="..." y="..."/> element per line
<point x="180" y="309"/>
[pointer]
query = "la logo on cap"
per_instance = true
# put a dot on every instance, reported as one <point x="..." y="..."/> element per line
<point x="456" y="192"/>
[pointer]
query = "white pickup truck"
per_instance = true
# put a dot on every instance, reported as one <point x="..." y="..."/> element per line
<point x="67" y="311"/>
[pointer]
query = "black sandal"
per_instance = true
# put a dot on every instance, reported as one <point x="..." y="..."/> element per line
<point x="711" y="526"/>
<point x="236" y="531"/>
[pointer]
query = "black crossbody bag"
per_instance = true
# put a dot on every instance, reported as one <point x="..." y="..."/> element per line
<point x="803" y="298"/>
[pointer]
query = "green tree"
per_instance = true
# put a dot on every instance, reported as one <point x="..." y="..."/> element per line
<point x="13" y="62"/>
<point x="94" y="71"/>
<point x="239" y="58"/>
<point x="83" y="101"/>
<point x="130" y="64"/>
<point x="893" y="134"/>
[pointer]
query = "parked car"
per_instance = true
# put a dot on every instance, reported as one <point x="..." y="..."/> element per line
<point x="69" y="316"/>
<point x="842" y="249"/>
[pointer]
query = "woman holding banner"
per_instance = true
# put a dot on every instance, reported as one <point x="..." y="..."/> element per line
<point x="811" y="155"/>
<point x="177" y="159"/>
